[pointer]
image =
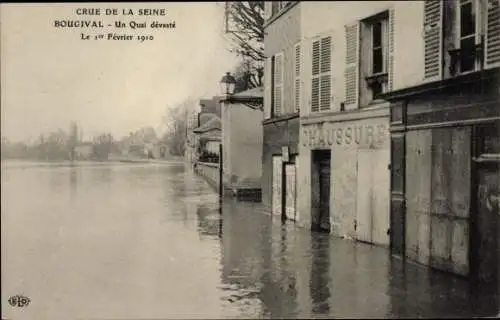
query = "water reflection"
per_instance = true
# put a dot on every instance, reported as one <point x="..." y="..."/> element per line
<point x="148" y="242"/>
<point x="320" y="275"/>
<point x="208" y="220"/>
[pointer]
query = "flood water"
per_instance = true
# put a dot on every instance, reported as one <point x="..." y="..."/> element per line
<point x="147" y="241"/>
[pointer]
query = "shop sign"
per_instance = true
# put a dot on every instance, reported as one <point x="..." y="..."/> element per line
<point x="344" y="135"/>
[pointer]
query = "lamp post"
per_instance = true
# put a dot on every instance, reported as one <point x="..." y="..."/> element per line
<point x="227" y="83"/>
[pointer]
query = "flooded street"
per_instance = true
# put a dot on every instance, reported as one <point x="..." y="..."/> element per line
<point x="137" y="241"/>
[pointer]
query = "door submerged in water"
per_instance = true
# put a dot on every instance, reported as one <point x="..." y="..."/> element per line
<point x="321" y="191"/>
<point x="290" y="191"/>
<point x="277" y="187"/>
<point x="487" y="218"/>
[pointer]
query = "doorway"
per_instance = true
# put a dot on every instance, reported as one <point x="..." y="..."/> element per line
<point x="320" y="189"/>
<point x="277" y="186"/>
<point x="289" y="186"/>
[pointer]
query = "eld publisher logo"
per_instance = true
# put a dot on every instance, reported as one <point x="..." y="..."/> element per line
<point x="19" y="301"/>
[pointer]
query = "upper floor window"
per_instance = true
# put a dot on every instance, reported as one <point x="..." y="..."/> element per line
<point x="321" y="81"/>
<point x="369" y="59"/>
<point x="297" y="88"/>
<point x="277" y="84"/>
<point x="467" y="41"/>
<point x="460" y="36"/>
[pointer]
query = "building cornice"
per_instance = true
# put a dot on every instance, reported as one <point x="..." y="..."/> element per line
<point x="285" y="117"/>
<point x="431" y="88"/>
<point x="379" y="111"/>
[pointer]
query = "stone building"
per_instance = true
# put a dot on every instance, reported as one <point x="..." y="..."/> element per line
<point x="281" y="106"/>
<point x="399" y="127"/>
<point x="445" y="142"/>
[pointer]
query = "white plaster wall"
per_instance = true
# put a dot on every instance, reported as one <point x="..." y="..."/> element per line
<point x="330" y="17"/>
<point x="344" y="175"/>
<point x="243" y="134"/>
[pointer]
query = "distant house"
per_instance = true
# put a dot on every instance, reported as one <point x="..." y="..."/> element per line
<point x="209" y="139"/>
<point x="83" y="151"/>
<point x="209" y="108"/>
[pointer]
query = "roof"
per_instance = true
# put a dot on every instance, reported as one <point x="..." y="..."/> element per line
<point x="205" y="117"/>
<point x="255" y="95"/>
<point x="213" y="123"/>
<point x="211" y="136"/>
<point x="252" y="93"/>
<point x="210" y="106"/>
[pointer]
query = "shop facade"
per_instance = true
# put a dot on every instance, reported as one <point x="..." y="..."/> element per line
<point x="344" y="174"/>
<point x="445" y="178"/>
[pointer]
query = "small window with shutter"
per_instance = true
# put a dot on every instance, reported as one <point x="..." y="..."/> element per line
<point x="277" y="85"/>
<point x="492" y="34"/>
<point x="321" y="80"/>
<point x="297" y="89"/>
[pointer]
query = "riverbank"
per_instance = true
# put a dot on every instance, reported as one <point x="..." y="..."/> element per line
<point x="25" y="163"/>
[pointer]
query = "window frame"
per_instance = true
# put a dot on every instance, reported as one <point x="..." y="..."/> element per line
<point x="382" y="77"/>
<point x="480" y="28"/>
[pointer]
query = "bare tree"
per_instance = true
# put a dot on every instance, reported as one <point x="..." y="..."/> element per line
<point x="245" y="24"/>
<point x="175" y="121"/>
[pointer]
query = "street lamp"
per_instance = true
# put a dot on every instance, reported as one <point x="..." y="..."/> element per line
<point x="227" y="83"/>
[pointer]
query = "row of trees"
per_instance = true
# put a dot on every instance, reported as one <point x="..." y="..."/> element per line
<point x="58" y="145"/>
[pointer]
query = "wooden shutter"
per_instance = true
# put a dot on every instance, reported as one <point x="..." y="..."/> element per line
<point x="278" y="83"/>
<point x="492" y="39"/>
<point x="267" y="88"/>
<point x="326" y="76"/>
<point x="390" y="50"/>
<point x="433" y="40"/>
<point x="315" y="75"/>
<point x="321" y="83"/>
<point x="351" y="73"/>
<point x="297" y="77"/>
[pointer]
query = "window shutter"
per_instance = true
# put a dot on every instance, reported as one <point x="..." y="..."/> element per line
<point x="267" y="88"/>
<point x="297" y="77"/>
<point x="315" y="76"/>
<point x="390" y="51"/>
<point x="492" y="39"/>
<point x="433" y="39"/>
<point x="351" y="73"/>
<point x="326" y="77"/>
<point x="278" y="83"/>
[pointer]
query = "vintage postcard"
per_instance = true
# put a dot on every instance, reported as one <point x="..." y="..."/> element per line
<point x="250" y="159"/>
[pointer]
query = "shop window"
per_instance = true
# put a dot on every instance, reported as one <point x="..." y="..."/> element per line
<point x="488" y="142"/>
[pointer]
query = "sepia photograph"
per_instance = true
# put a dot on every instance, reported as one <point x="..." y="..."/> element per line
<point x="250" y="160"/>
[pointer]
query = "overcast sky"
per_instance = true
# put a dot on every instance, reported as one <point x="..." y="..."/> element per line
<point x="51" y="77"/>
